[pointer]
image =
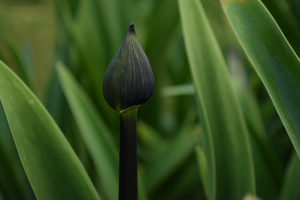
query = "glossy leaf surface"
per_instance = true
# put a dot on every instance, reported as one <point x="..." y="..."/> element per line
<point x="226" y="143"/>
<point x="52" y="167"/>
<point x="272" y="57"/>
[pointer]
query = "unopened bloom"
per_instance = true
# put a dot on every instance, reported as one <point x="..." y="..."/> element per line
<point x="128" y="80"/>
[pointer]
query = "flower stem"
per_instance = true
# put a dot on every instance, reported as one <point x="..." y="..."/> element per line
<point x="128" y="155"/>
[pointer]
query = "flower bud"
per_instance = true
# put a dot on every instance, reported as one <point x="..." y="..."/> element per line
<point x="128" y="80"/>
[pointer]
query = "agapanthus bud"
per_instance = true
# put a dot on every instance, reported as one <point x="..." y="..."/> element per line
<point x="128" y="80"/>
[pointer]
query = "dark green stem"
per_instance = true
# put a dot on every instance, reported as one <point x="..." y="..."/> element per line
<point x="128" y="155"/>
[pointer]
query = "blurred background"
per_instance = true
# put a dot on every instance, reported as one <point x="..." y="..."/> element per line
<point x="85" y="35"/>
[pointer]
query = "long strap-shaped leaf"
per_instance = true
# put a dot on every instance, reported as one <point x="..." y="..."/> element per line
<point x="230" y="172"/>
<point x="267" y="166"/>
<point x="272" y="57"/>
<point x="94" y="131"/>
<point x="52" y="167"/>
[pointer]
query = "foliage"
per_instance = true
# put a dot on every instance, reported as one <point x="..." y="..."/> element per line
<point x="232" y="63"/>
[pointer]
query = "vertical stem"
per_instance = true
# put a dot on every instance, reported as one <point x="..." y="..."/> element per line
<point x="128" y="155"/>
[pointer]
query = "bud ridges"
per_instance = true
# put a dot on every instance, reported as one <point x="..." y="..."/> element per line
<point x="128" y="80"/>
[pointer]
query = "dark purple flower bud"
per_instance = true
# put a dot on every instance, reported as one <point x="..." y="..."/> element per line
<point x="128" y="80"/>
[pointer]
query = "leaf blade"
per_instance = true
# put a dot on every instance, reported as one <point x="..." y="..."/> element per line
<point x="227" y="144"/>
<point x="49" y="162"/>
<point x="272" y="57"/>
<point x="94" y="131"/>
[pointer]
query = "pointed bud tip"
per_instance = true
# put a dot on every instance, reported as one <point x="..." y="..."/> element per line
<point x="128" y="80"/>
<point x="131" y="28"/>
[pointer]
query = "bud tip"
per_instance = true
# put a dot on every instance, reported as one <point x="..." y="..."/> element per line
<point x="131" y="28"/>
<point x="128" y="80"/>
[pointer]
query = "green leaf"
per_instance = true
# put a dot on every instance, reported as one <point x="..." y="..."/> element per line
<point x="282" y="13"/>
<point x="108" y="18"/>
<point x="272" y="57"/>
<point x="187" y="89"/>
<point x="18" y="63"/>
<point x="162" y="25"/>
<point x="183" y="182"/>
<point x="14" y="181"/>
<point x="170" y="157"/>
<point x="268" y="169"/>
<point x="88" y="42"/>
<point x="290" y="187"/>
<point x="52" y="167"/>
<point x="202" y="165"/>
<point x="6" y="140"/>
<point x="226" y="143"/>
<point x="142" y="193"/>
<point x="94" y="131"/>
<point x="149" y="137"/>
<point x="9" y="183"/>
